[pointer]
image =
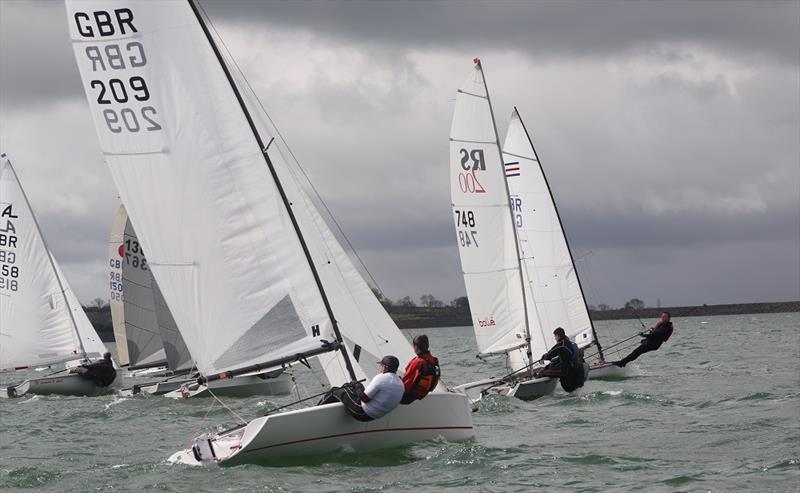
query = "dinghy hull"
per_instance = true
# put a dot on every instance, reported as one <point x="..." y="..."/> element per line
<point x="604" y="370"/>
<point x="241" y="386"/>
<point x="526" y="390"/>
<point x="329" y="428"/>
<point x="69" y="384"/>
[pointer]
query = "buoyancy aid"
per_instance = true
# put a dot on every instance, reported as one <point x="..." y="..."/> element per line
<point x="576" y="354"/>
<point x="428" y="377"/>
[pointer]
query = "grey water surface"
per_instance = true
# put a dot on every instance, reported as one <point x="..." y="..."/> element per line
<point x="716" y="409"/>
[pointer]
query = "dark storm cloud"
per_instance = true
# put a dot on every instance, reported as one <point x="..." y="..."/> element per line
<point x="544" y="28"/>
<point x="38" y="66"/>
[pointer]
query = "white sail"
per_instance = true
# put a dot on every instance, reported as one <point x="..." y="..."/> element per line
<point x="178" y="356"/>
<point x="221" y="244"/>
<point x="556" y="299"/>
<point x="116" y="255"/>
<point x="368" y="329"/>
<point x="483" y="224"/>
<point x="93" y="347"/>
<point x="145" y="348"/>
<point x="36" y="305"/>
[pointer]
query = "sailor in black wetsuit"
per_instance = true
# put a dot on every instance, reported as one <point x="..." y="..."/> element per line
<point x="102" y="372"/>
<point x="653" y="339"/>
<point x="560" y="356"/>
<point x="565" y="362"/>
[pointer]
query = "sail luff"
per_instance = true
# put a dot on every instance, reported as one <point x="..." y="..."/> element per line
<point x="277" y="182"/>
<point x="52" y="263"/>
<point x="511" y="217"/>
<point x="563" y="231"/>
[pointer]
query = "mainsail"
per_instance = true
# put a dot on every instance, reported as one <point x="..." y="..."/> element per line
<point x="223" y="243"/>
<point x="483" y="221"/>
<point x="41" y="321"/>
<point x="116" y="255"/>
<point x="151" y="330"/>
<point x="555" y="290"/>
<point x="368" y="330"/>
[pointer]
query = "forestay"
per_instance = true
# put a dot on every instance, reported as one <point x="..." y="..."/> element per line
<point x="36" y="326"/>
<point x="555" y="291"/>
<point x="221" y="243"/>
<point x="115" y="296"/>
<point x="482" y="218"/>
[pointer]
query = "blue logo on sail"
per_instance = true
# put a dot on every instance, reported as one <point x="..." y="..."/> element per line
<point x="512" y="169"/>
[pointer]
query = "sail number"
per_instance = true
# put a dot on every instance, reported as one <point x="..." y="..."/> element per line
<point x="472" y="160"/>
<point x="115" y="285"/>
<point x="134" y="255"/>
<point x="125" y="94"/>
<point x="9" y="272"/>
<point x="465" y="220"/>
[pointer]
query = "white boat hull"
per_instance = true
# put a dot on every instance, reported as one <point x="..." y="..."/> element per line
<point x="526" y="390"/>
<point x="329" y="428"/>
<point x="603" y="370"/>
<point x="241" y="386"/>
<point x="67" y="384"/>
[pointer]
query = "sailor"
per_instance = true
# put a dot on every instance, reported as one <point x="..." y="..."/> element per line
<point x="381" y="396"/>
<point x="102" y="372"/>
<point x="560" y="357"/>
<point x="653" y="339"/>
<point x="422" y="372"/>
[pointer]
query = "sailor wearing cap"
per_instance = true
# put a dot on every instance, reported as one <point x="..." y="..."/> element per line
<point x="385" y="391"/>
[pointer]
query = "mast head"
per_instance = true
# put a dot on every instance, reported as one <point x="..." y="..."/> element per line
<point x="476" y="61"/>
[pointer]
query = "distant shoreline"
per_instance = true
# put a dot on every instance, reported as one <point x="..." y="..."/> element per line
<point x="623" y="314"/>
<point x="427" y="318"/>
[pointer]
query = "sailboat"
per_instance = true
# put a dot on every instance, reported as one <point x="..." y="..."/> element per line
<point x="549" y="267"/>
<point x="502" y="313"/>
<point x="41" y="321"/>
<point x="149" y="323"/>
<point x="225" y="240"/>
<point x="555" y="284"/>
<point x="518" y="289"/>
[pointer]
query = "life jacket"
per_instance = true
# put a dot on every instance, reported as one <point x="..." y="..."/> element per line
<point x="576" y="354"/>
<point x="428" y="377"/>
<point x="668" y="334"/>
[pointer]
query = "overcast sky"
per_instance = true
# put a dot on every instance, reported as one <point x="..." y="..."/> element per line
<point x="670" y="133"/>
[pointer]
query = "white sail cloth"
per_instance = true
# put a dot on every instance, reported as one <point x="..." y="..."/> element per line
<point x="38" y="311"/>
<point x="555" y="296"/>
<point x="221" y="243"/>
<point x="141" y="325"/>
<point x="369" y="331"/>
<point x="483" y="224"/>
<point x="116" y="255"/>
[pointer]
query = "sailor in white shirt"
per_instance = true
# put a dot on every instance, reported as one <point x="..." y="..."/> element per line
<point x="385" y="391"/>
<point x="381" y="396"/>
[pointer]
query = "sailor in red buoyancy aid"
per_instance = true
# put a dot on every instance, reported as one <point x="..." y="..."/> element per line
<point x="422" y="373"/>
<point x="653" y="339"/>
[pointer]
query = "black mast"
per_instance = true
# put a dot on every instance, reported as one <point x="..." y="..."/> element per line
<point x="563" y="232"/>
<point x="286" y="202"/>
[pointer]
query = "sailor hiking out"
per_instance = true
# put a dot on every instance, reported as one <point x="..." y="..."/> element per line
<point x="565" y="362"/>
<point x="381" y="396"/>
<point x="101" y="372"/>
<point x="653" y="339"/>
<point x="422" y="373"/>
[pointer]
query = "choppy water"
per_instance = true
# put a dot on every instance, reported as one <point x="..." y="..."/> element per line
<point x="716" y="409"/>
